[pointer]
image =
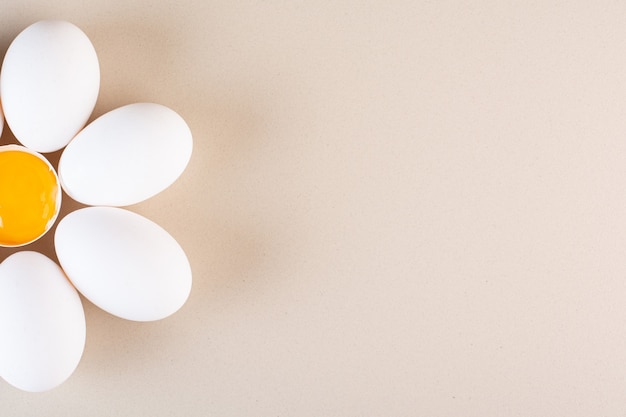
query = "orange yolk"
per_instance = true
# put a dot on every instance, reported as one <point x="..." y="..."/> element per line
<point x="28" y="197"/>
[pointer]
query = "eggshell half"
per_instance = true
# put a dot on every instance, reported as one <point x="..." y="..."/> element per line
<point x="49" y="84"/>
<point x="1" y="119"/>
<point x="42" y="323"/>
<point x="123" y="263"/>
<point x="126" y="156"/>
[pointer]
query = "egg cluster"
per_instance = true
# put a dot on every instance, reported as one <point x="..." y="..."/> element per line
<point x="120" y="261"/>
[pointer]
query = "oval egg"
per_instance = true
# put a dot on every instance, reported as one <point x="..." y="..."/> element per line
<point x="49" y="84"/>
<point x="124" y="263"/>
<point x="42" y="323"/>
<point x="126" y="156"/>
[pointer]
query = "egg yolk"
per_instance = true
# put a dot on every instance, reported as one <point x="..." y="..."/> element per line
<point x="28" y="197"/>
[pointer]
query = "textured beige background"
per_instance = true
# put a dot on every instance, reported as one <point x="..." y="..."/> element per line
<point x="393" y="208"/>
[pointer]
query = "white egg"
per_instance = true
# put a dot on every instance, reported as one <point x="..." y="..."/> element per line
<point x="126" y="156"/>
<point x="42" y="323"/>
<point x="123" y="263"/>
<point x="49" y="84"/>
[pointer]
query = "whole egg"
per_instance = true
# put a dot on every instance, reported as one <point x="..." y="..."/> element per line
<point x="124" y="263"/>
<point x="126" y="155"/>
<point x="42" y="323"/>
<point x="49" y="84"/>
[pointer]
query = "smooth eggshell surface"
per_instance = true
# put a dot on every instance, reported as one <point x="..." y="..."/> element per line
<point x="126" y="156"/>
<point x="124" y="263"/>
<point x="49" y="84"/>
<point x="42" y="323"/>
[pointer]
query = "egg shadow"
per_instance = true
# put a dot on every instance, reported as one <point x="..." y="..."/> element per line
<point x="9" y="32"/>
<point x="225" y="249"/>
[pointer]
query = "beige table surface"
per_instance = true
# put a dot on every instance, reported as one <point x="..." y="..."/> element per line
<point x="393" y="208"/>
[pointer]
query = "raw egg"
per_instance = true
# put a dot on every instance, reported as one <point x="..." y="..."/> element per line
<point x="30" y="196"/>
